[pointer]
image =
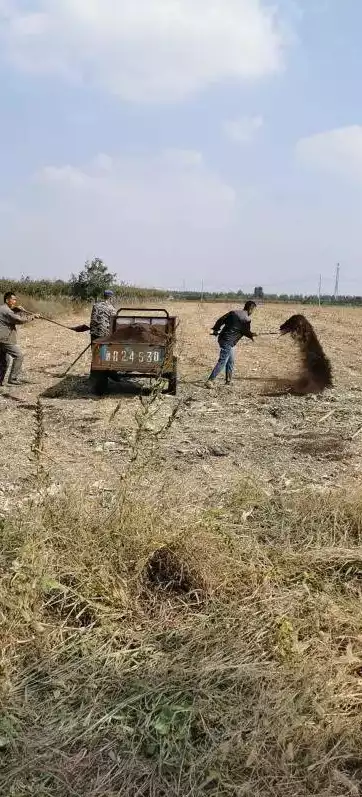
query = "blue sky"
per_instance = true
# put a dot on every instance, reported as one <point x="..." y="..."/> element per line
<point x="183" y="140"/>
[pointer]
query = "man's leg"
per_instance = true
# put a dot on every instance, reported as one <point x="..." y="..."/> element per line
<point x="3" y="363"/>
<point x="17" y="356"/>
<point x="221" y="363"/>
<point x="230" y="366"/>
<point x="93" y="340"/>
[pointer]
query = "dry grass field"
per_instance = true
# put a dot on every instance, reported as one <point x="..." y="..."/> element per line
<point x="181" y="577"/>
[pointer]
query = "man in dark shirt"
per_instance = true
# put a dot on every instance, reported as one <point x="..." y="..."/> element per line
<point x="9" y="320"/>
<point x="230" y="328"/>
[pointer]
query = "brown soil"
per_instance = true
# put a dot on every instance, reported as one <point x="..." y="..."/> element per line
<point x="140" y="333"/>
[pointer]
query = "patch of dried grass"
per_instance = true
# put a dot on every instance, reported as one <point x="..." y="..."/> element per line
<point x="50" y="307"/>
<point x="255" y="689"/>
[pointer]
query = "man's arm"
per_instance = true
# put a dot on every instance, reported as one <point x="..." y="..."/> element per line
<point x="16" y="318"/>
<point x="247" y="331"/>
<point x="220" y="323"/>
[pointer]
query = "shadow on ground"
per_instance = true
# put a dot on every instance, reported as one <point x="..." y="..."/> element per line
<point x="76" y="387"/>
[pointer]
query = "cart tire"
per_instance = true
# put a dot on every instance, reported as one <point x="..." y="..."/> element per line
<point x="100" y="383"/>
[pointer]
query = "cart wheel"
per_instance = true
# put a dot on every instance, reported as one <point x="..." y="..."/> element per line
<point x="100" y="383"/>
<point x="116" y="376"/>
<point x="172" y="380"/>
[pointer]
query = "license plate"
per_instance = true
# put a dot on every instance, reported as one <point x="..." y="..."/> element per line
<point x="127" y="355"/>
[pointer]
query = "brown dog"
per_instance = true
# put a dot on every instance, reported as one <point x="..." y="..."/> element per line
<point x="317" y="370"/>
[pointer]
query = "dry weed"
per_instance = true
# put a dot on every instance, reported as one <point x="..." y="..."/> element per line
<point x="219" y="659"/>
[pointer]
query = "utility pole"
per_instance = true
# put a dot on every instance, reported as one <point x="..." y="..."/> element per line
<point x="319" y="289"/>
<point x="336" y="284"/>
<point x="202" y="291"/>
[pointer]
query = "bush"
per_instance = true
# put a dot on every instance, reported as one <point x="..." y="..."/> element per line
<point x="92" y="281"/>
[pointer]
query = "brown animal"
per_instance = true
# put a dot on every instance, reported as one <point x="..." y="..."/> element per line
<point x="317" y="370"/>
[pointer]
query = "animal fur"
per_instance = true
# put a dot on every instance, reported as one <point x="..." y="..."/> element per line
<point x="317" y="370"/>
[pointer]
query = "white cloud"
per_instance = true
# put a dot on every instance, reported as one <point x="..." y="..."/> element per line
<point x="68" y="175"/>
<point x="166" y="218"/>
<point x="242" y="130"/>
<point x="152" y="218"/>
<point x="144" y="50"/>
<point x="174" y="187"/>
<point x="336" y="151"/>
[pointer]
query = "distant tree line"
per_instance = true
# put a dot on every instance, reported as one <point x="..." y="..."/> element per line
<point x="94" y="278"/>
<point x="88" y="285"/>
<point x="283" y="298"/>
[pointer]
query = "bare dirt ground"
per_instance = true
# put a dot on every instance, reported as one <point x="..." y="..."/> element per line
<point x="218" y="436"/>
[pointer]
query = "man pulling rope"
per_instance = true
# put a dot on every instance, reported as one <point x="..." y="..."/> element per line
<point x="230" y="328"/>
<point x="9" y="349"/>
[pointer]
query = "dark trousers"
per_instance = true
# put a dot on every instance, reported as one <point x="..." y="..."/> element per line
<point x="93" y="339"/>
<point x="3" y="365"/>
<point x="12" y="352"/>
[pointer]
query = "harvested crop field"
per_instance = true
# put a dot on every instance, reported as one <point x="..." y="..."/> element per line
<point x="304" y="440"/>
<point x="180" y="593"/>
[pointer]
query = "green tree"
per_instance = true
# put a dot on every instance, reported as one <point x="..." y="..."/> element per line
<point x="92" y="281"/>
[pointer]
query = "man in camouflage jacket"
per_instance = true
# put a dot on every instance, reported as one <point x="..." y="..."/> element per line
<point x="102" y="315"/>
